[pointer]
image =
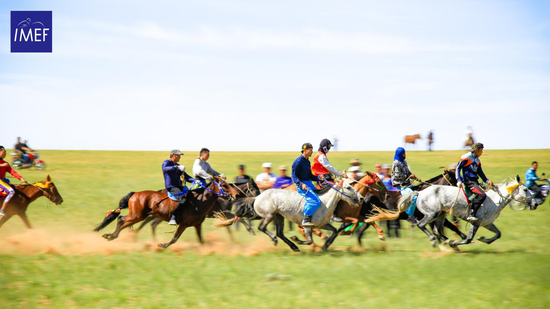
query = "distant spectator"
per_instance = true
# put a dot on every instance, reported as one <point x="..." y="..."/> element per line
<point x="353" y="173"/>
<point x="283" y="180"/>
<point x="430" y="140"/>
<point x="378" y="170"/>
<point x="266" y="179"/>
<point x="387" y="178"/>
<point x="241" y="176"/>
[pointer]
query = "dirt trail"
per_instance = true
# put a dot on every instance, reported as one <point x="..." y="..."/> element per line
<point x="39" y="241"/>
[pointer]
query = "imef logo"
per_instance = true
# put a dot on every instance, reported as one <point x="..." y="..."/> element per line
<point x="31" y="31"/>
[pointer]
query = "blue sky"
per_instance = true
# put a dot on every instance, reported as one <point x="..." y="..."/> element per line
<point x="268" y="76"/>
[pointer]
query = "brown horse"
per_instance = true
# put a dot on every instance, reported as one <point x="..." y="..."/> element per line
<point x="370" y="186"/>
<point x="28" y="193"/>
<point x="247" y="189"/>
<point x="193" y="213"/>
<point x="411" y="139"/>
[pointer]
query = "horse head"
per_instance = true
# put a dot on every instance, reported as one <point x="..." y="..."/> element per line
<point x="349" y="194"/>
<point x="49" y="190"/>
<point x="371" y="183"/>
<point x="222" y="188"/>
<point x="519" y="191"/>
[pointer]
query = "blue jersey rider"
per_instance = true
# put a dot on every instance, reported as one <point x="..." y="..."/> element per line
<point x="401" y="176"/>
<point x="470" y="168"/>
<point x="302" y="177"/>
<point x="530" y="182"/>
<point x="173" y="174"/>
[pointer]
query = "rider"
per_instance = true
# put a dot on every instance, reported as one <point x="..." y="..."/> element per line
<point x="5" y="185"/>
<point x="401" y="178"/>
<point x="323" y="169"/>
<point x="321" y="166"/>
<point x="470" y="166"/>
<point x="22" y="149"/>
<point x="302" y="177"/>
<point x="202" y="169"/>
<point x="173" y="173"/>
<point x="530" y="182"/>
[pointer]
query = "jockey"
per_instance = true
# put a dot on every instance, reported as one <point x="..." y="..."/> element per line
<point x="202" y="169"/>
<point x="401" y="178"/>
<point x="470" y="166"/>
<point x="322" y="168"/>
<point x="530" y="182"/>
<point x="173" y="173"/>
<point x="5" y="185"/>
<point x="302" y="177"/>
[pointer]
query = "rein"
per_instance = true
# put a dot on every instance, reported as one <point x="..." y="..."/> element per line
<point x="222" y="193"/>
<point x="333" y="187"/>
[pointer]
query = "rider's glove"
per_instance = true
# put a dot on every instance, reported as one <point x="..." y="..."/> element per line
<point x="181" y="167"/>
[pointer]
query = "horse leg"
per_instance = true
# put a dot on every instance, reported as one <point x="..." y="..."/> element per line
<point x="471" y="234"/>
<point x="177" y="235"/>
<point x="123" y="223"/>
<point x="360" y="233"/>
<point x="4" y="219"/>
<point x="230" y="234"/>
<point x="248" y="225"/>
<point x="335" y="233"/>
<point x="147" y="220"/>
<point x="422" y="226"/>
<point x="23" y="217"/>
<point x="319" y="234"/>
<point x="154" y="225"/>
<point x="279" y="227"/>
<point x="454" y="228"/>
<point x="378" y="230"/>
<point x="263" y="228"/>
<point x="198" y="228"/>
<point x="491" y="227"/>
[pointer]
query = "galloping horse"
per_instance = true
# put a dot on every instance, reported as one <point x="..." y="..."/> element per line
<point x="372" y="189"/>
<point x="411" y="139"/>
<point x="28" y="193"/>
<point x="435" y="201"/>
<point x="275" y="205"/>
<point x="448" y="178"/>
<point x="247" y="189"/>
<point x="145" y="203"/>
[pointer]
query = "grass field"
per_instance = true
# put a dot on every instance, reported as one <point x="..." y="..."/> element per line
<point x="61" y="263"/>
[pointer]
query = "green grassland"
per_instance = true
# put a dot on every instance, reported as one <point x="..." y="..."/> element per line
<point x="61" y="263"/>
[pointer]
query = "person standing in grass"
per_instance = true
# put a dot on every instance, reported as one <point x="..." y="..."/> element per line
<point x="5" y="185"/>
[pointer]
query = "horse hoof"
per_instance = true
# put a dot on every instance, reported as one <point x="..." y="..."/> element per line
<point x="294" y="238"/>
<point x="434" y="243"/>
<point x="382" y="238"/>
<point x="108" y="236"/>
<point x="295" y="249"/>
<point x="163" y="246"/>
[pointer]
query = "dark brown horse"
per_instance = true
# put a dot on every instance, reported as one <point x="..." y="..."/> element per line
<point x="145" y="203"/>
<point x="28" y="193"/>
<point x="224" y="204"/>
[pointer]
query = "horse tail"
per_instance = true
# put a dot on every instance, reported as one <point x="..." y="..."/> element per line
<point x="113" y="214"/>
<point x="244" y="208"/>
<point x="386" y="215"/>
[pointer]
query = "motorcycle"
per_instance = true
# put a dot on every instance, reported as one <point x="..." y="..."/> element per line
<point x="18" y="162"/>
<point x="544" y="189"/>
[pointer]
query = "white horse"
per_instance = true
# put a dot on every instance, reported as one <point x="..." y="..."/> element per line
<point x="275" y="205"/>
<point x="435" y="201"/>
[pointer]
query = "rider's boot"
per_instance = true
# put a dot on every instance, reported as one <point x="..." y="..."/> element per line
<point x="173" y="220"/>
<point x="472" y="217"/>
<point x="2" y="213"/>
<point x="307" y="221"/>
